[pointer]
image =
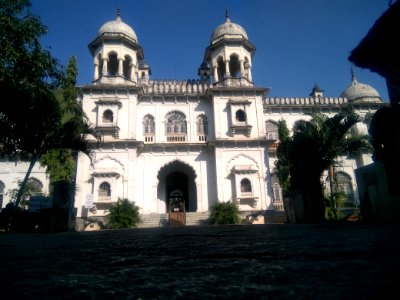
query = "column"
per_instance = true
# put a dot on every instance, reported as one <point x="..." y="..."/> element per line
<point x="132" y="66"/>
<point x="96" y="71"/>
<point x="227" y="71"/>
<point x="242" y="73"/>
<point x="250" y="78"/>
<point x="215" y="68"/>
<point x="120" y="67"/>
<point x="105" y="63"/>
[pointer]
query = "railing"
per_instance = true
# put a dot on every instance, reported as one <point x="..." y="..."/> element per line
<point x="246" y="195"/>
<point x="176" y="138"/>
<point x="202" y="138"/>
<point x="278" y="205"/>
<point x="149" y="138"/>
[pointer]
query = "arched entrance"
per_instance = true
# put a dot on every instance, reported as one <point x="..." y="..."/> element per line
<point x="177" y="188"/>
<point x="177" y="192"/>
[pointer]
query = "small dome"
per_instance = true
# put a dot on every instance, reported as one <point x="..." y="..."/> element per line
<point x="228" y="28"/>
<point x="360" y="92"/>
<point x="118" y="27"/>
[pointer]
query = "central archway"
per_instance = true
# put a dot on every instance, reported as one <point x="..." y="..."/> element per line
<point x="177" y="188"/>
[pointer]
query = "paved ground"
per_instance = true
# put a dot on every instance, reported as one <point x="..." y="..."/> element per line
<point x="335" y="261"/>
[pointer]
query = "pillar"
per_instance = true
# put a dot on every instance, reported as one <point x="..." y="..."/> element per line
<point x="120" y="67"/>
<point x="96" y="71"/>
<point x="215" y="70"/>
<point x="105" y="63"/>
<point x="227" y="71"/>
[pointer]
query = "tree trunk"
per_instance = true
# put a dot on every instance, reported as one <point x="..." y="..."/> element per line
<point x="34" y="158"/>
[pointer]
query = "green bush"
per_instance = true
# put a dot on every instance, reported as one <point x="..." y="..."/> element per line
<point x="124" y="214"/>
<point x="224" y="213"/>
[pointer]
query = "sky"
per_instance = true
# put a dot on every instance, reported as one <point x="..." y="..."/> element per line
<point x="299" y="42"/>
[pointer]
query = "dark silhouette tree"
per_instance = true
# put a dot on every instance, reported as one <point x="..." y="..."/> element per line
<point x="315" y="145"/>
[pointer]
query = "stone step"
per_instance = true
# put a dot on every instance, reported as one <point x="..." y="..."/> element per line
<point x="161" y="220"/>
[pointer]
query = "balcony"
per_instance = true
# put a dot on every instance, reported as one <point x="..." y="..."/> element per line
<point x="241" y="128"/>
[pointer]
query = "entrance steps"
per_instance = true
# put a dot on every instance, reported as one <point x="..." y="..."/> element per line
<point x="162" y="220"/>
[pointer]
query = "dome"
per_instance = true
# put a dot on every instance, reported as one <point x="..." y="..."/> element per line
<point x="360" y="92"/>
<point x="118" y="27"/>
<point x="228" y="28"/>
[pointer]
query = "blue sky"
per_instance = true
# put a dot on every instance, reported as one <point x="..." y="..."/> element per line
<point x="299" y="42"/>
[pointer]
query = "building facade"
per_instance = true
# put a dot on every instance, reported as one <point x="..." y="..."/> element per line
<point x="185" y="145"/>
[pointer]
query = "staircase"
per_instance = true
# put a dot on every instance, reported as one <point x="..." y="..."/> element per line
<point x="162" y="220"/>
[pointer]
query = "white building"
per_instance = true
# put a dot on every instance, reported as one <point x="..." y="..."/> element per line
<point x="196" y="141"/>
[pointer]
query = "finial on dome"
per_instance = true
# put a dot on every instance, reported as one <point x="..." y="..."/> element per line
<point x="227" y="19"/>
<point x="118" y="13"/>
<point x="353" y="76"/>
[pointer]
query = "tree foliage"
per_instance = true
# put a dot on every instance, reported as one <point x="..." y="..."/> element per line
<point x="224" y="213"/>
<point x="283" y="164"/>
<point x="32" y="120"/>
<point x="124" y="214"/>
<point x="315" y="145"/>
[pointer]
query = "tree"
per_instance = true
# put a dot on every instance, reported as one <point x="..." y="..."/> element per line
<point x="124" y="214"/>
<point x="315" y="145"/>
<point x="32" y="119"/>
<point x="283" y="164"/>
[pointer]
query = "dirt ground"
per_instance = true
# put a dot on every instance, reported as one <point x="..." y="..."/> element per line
<point x="288" y="261"/>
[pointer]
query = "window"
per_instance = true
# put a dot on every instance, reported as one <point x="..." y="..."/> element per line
<point x="148" y="124"/>
<point x="104" y="190"/>
<point x="127" y="67"/>
<point x="343" y="184"/>
<point x="276" y="188"/>
<point x="2" y="187"/>
<point x="112" y="66"/>
<point x="202" y="125"/>
<point x="175" y="123"/>
<point x="108" y="116"/>
<point x="240" y="116"/>
<point x="271" y="129"/>
<point x="245" y="186"/>
<point x="35" y="185"/>
<point x="234" y="66"/>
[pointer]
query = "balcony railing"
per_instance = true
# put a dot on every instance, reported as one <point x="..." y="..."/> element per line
<point x="278" y="205"/>
<point x="176" y="138"/>
<point x="149" y="138"/>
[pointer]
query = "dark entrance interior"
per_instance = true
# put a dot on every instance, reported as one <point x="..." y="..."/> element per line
<point x="177" y="192"/>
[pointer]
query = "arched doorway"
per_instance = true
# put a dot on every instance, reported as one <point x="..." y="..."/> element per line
<point x="177" y="188"/>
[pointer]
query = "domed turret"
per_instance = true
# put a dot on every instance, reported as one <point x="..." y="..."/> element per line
<point x="116" y="53"/>
<point x="229" y="30"/>
<point x="117" y="27"/>
<point x="229" y="56"/>
<point x="360" y="92"/>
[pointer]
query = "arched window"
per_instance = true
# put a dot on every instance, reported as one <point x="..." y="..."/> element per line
<point x="35" y="185"/>
<point x="221" y="68"/>
<point x="2" y="187"/>
<point x="245" y="186"/>
<point x="104" y="190"/>
<point x="108" y="116"/>
<point x="271" y="129"/>
<point x="240" y="116"/>
<point x="112" y="66"/>
<point x="202" y="125"/>
<point x="343" y="184"/>
<point x="234" y="66"/>
<point x="148" y="124"/>
<point x="175" y="122"/>
<point x="127" y="67"/>
<point x="276" y="188"/>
